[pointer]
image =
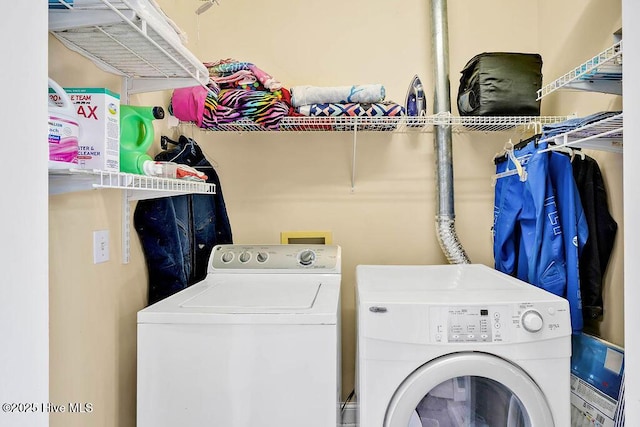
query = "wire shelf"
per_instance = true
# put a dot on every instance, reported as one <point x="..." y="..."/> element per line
<point x="604" y="69"/>
<point x="63" y="180"/>
<point x="129" y="42"/>
<point x="397" y="124"/>
<point x="604" y="135"/>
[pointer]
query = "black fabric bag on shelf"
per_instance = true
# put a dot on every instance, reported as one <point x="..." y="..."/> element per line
<point x="501" y="84"/>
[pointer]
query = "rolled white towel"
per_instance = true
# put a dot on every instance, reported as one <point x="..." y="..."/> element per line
<point x="305" y="95"/>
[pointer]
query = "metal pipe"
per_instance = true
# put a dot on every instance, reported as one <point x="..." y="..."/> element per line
<point x="445" y="216"/>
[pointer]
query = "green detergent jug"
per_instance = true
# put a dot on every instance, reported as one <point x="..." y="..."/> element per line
<point x="136" y="136"/>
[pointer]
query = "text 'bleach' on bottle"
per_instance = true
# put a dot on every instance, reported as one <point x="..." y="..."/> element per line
<point x="136" y="136"/>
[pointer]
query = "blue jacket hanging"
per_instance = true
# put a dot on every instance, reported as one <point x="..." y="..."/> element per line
<point x="528" y="241"/>
<point x="177" y="233"/>
<point x="574" y="229"/>
<point x="540" y="226"/>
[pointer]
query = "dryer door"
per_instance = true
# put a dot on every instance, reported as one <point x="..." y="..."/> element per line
<point x="469" y="390"/>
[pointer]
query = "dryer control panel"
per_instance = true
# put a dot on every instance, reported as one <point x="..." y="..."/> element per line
<point x="498" y="323"/>
<point x="275" y="258"/>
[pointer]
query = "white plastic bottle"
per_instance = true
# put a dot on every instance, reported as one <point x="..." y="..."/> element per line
<point x="160" y="169"/>
<point x="64" y="129"/>
<point x="172" y="170"/>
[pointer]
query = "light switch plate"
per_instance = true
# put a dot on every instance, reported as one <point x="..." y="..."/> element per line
<point x="100" y="246"/>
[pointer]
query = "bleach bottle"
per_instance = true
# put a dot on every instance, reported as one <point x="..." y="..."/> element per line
<point x="136" y="136"/>
<point x="63" y="129"/>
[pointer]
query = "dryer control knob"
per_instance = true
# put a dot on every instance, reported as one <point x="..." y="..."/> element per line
<point x="306" y="257"/>
<point x="532" y="321"/>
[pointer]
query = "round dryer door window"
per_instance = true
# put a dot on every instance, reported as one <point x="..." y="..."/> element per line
<point x="468" y="390"/>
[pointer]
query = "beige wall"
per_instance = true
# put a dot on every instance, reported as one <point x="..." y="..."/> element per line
<point x="567" y="39"/>
<point x="302" y="181"/>
<point x="92" y="306"/>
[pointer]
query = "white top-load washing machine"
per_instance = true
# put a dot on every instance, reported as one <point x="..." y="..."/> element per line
<point x="460" y="345"/>
<point x="256" y="343"/>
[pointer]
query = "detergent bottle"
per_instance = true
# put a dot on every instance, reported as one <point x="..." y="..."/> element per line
<point x="136" y="136"/>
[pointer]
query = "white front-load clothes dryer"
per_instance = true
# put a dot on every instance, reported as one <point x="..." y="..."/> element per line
<point x="459" y="345"/>
<point x="256" y="343"/>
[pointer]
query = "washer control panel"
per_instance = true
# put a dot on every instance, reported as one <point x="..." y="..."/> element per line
<point x="298" y="258"/>
<point x="498" y="323"/>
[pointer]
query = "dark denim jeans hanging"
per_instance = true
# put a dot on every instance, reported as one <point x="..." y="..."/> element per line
<point x="177" y="233"/>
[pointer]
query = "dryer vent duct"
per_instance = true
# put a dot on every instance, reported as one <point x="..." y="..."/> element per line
<point x="445" y="216"/>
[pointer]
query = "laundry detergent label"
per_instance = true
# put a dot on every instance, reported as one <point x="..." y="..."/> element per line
<point x="98" y="115"/>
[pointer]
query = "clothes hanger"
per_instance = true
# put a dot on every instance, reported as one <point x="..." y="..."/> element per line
<point x="185" y="142"/>
<point x="503" y="157"/>
<point x="524" y="142"/>
<point x="165" y="141"/>
<point x="564" y="150"/>
<point x="570" y="151"/>
<point x="579" y="152"/>
<point x="519" y="170"/>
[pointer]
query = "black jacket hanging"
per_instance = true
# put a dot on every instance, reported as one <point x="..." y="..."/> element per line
<point x="602" y="231"/>
<point x="177" y="233"/>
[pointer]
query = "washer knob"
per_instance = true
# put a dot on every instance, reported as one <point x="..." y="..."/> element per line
<point x="245" y="256"/>
<point x="306" y="257"/>
<point x="227" y="256"/>
<point x="262" y="257"/>
<point x="532" y="321"/>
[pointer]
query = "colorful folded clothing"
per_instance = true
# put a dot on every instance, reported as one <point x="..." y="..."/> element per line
<point x="241" y="92"/>
<point x="352" y="109"/>
<point x="307" y="95"/>
<point x="229" y="67"/>
<point x="238" y="79"/>
<point x="211" y="108"/>
<point x="264" y="108"/>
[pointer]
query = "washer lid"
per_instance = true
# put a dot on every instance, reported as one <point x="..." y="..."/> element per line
<point x="255" y="297"/>
<point x="248" y="299"/>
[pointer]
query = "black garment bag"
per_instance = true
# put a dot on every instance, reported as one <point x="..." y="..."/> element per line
<point x="501" y="84"/>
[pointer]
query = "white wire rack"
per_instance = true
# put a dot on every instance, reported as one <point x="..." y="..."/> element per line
<point x="602" y="73"/>
<point x="398" y="124"/>
<point x="604" y="135"/>
<point x="138" y="186"/>
<point x="125" y="38"/>
<point x="135" y="187"/>
<point x="521" y="124"/>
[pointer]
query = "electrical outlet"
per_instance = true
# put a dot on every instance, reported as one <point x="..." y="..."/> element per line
<point x="100" y="246"/>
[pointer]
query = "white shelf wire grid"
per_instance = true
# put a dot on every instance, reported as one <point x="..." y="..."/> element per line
<point x="128" y="181"/>
<point x="397" y="124"/>
<point x="606" y="66"/>
<point x="131" y="47"/>
<point x="603" y="135"/>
